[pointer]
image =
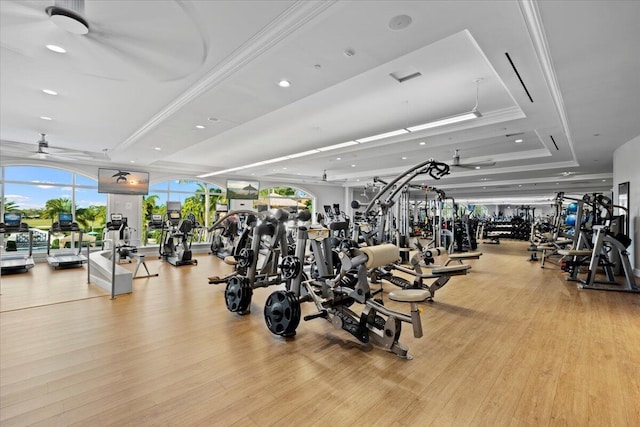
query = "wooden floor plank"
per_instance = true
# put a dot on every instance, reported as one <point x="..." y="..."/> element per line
<point x="508" y="344"/>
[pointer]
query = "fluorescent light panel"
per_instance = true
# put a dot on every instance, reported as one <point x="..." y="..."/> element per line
<point x="446" y="121"/>
<point x="336" y="146"/>
<point x="449" y="120"/>
<point x="382" y="136"/>
<point x="302" y="154"/>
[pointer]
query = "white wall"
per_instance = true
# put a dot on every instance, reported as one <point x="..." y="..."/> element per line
<point x="626" y="167"/>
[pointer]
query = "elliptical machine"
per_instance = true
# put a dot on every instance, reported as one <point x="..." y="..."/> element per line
<point x="176" y="238"/>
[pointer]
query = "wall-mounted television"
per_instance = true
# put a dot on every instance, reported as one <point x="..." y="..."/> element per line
<point x="237" y="189"/>
<point x="121" y="181"/>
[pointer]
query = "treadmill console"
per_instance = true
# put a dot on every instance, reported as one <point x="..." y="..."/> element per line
<point x="174" y="218"/>
<point x="13" y="223"/>
<point x="117" y="221"/>
<point x="156" y="221"/>
<point x="65" y="223"/>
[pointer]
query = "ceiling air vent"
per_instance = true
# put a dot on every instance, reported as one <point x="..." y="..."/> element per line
<point x="404" y="75"/>
<point x="518" y="74"/>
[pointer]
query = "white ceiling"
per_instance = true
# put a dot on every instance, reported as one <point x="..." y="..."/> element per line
<point x="148" y="72"/>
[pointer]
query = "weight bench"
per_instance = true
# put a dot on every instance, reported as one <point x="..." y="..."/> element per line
<point x="462" y="256"/>
<point x="550" y="249"/>
<point x="579" y="257"/>
<point x="441" y="274"/>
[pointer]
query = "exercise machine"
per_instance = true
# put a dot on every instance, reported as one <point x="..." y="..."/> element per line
<point x="610" y="241"/>
<point x="62" y="258"/>
<point x="176" y="237"/>
<point x="18" y="261"/>
<point x="336" y="298"/>
<point x="118" y="225"/>
<point x="382" y="203"/>
<point x="268" y="244"/>
<point x="442" y="274"/>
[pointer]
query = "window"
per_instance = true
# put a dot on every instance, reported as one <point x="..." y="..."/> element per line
<point x="288" y="198"/>
<point x="196" y="198"/>
<point x="42" y="193"/>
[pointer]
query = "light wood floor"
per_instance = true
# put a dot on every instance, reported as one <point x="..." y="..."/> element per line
<point x="510" y="344"/>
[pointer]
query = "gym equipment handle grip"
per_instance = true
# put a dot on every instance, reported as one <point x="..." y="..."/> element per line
<point x="322" y="314"/>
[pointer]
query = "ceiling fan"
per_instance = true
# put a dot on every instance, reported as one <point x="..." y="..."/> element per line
<point x="325" y="178"/>
<point x="108" y="39"/>
<point x="456" y="162"/>
<point x="45" y="151"/>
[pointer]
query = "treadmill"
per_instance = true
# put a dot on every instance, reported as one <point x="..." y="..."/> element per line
<point x="15" y="262"/>
<point x="65" y="259"/>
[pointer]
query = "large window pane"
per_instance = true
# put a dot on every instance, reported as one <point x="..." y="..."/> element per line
<point x="187" y="186"/>
<point x="38" y="175"/>
<point x="161" y="186"/>
<point x="33" y="197"/>
<point x="91" y="211"/>
<point x="83" y="180"/>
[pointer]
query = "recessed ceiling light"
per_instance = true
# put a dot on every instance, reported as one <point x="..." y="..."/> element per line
<point x="56" y="49"/>
<point x="353" y="166"/>
<point x="403" y="158"/>
<point x="157" y="148"/>
<point x="358" y="179"/>
<point x="132" y="161"/>
<point x="604" y="180"/>
<point x="338" y="158"/>
<point x="519" y="185"/>
<point x="284" y="168"/>
<point x="284" y="83"/>
<point x="477" y="167"/>
<point x="199" y="127"/>
<point x="484" y="188"/>
<point x="422" y="143"/>
<point x="400" y="22"/>
<point x="50" y="92"/>
<point x="518" y="141"/>
<point x="45" y="118"/>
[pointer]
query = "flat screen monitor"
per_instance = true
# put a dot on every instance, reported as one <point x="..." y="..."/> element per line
<point x="247" y="190"/>
<point x="12" y="219"/>
<point x="116" y="219"/>
<point x="174" y="206"/>
<point x="65" y="219"/>
<point x="119" y="181"/>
